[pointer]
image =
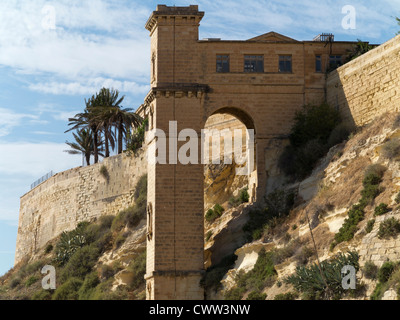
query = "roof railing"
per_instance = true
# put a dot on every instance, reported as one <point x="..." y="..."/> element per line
<point x="42" y="179"/>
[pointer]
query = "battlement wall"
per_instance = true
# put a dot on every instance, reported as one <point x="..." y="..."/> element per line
<point x="368" y="86"/>
<point x="76" y="195"/>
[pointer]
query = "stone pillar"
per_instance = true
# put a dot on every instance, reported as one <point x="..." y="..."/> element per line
<point x="175" y="239"/>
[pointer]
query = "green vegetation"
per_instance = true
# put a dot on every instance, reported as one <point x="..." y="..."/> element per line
<point x="80" y="274"/>
<point x="243" y="197"/>
<point x="370" y="226"/>
<point x="287" y="296"/>
<point x="315" y="130"/>
<point x="255" y="295"/>
<point x="134" y="141"/>
<point x="215" y="213"/>
<point x="213" y="276"/>
<point x="372" y="178"/>
<point x="389" y="228"/>
<point x="359" y="49"/>
<point x="103" y="125"/>
<point x="388" y="277"/>
<point x="325" y="283"/>
<point x="278" y="206"/>
<point x="391" y="149"/>
<point x="262" y="275"/>
<point x="370" y="270"/>
<point x="381" y="209"/>
<point x="104" y="172"/>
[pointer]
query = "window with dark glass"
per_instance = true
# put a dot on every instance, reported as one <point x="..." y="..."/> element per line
<point x="253" y="63"/>
<point x="318" y="63"/>
<point x="223" y="63"/>
<point x="335" y="61"/>
<point x="285" y="63"/>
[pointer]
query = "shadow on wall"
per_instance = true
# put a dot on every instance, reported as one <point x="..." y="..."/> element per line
<point x="367" y="86"/>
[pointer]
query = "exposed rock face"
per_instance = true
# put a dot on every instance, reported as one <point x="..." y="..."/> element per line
<point x="326" y="196"/>
<point x="227" y="234"/>
<point x="221" y="182"/>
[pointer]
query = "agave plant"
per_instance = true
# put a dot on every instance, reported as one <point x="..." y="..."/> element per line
<point x="68" y="244"/>
<point x="323" y="281"/>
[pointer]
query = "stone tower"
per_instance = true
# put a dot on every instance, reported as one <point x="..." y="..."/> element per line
<point x="175" y="240"/>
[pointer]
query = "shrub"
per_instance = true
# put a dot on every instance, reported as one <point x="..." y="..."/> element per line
<point x="235" y="294"/>
<point x="391" y="149"/>
<point x="370" y="270"/>
<point x="263" y="274"/>
<point x="69" y="243"/>
<point x="381" y="209"/>
<point x="386" y="271"/>
<point x="389" y="228"/>
<point x="104" y="172"/>
<point x="86" y="291"/>
<point x="208" y="235"/>
<point x="134" y="141"/>
<point x="215" y="213"/>
<point x="378" y="292"/>
<point x="31" y="280"/>
<point x="49" y="249"/>
<point x="138" y="268"/>
<point x="256" y="295"/>
<point x="81" y="263"/>
<point x="213" y="275"/>
<point x="372" y="179"/>
<point x="42" y="295"/>
<point x="370" y="226"/>
<point x="313" y="125"/>
<point x="339" y="134"/>
<point x="286" y="296"/>
<point x="309" y="281"/>
<point x="15" y="283"/>
<point x="69" y="290"/>
<point x="243" y="197"/>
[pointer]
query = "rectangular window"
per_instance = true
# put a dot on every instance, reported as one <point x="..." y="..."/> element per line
<point x="253" y="63"/>
<point x="285" y="63"/>
<point x="334" y="62"/>
<point x="223" y="63"/>
<point x="318" y="63"/>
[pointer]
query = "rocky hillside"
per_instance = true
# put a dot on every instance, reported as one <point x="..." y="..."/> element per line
<point x="99" y="260"/>
<point x="296" y="243"/>
<point x="292" y="245"/>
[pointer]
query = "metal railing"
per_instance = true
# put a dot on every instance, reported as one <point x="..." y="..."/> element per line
<point x="42" y="179"/>
<point x="325" y="37"/>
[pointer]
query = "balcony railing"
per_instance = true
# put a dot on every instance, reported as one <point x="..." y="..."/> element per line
<point x="42" y="179"/>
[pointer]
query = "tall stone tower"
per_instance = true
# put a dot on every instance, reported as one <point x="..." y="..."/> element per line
<point x="175" y="237"/>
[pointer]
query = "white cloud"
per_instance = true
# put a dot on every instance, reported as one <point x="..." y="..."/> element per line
<point x="10" y="119"/>
<point x="91" y="38"/>
<point x="32" y="160"/>
<point x="90" y="86"/>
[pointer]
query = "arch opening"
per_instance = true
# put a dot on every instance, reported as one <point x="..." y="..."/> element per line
<point x="223" y="185"/>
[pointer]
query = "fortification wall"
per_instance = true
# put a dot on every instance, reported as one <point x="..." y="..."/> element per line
<point x="76" y="195"/>
<point x="367" y="86"/>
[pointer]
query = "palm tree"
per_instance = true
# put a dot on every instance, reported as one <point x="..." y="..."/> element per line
<point x="111" y="113"/>
<point x="124" y="120"/>
<point x="87" y="120"/>
<point x="83" y="144"/>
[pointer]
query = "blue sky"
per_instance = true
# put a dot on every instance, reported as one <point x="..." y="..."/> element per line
<point x="46" y="73"/>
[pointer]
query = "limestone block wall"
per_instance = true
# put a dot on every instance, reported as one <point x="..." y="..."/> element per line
<point x="367" y="86"/>
<point x="76" y="195"/>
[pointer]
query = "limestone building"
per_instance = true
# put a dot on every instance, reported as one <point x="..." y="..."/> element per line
<point x="261" y="82"/>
